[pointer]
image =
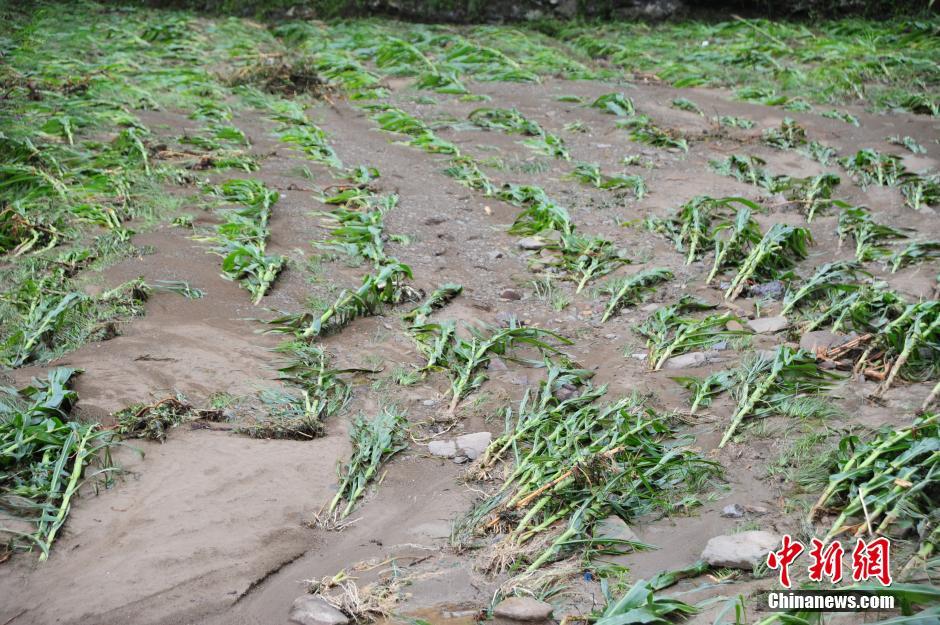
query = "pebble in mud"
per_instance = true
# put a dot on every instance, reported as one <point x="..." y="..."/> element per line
<point x="523" y="609"/>
<point x="740" y="551"/>
<point x="510" y="294"/>
<point x="768" y="325"/>
<point x="531" y="243"/>
<point x="733" y="511"/>
<point x="314" y="610"/>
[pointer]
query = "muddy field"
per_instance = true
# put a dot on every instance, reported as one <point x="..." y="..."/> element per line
<point x="227" y="520"/>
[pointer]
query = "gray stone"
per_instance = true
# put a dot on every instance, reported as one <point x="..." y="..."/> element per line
<point x="768" y="290"/>
<point x="511" y="294"/>
<point x="740" y="551"/>
<point x="531" y="243"/>
<point x="445" y="449"/>
<point x="314" y="610"/>
<point x="820" y="340"/>
<point x="615" y="527"/>
<point x="768" y="325"/>
<point x="733" y="511"/>
<point x="566" y="392"/>
<point x="523" y="609"/>
<point x="473" y="445"/>
<point x="692" y="359"/>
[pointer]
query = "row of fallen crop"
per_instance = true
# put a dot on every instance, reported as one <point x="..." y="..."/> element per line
<point x="583" y="258"/>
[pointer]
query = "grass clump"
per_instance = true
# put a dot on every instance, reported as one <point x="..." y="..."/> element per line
<point x="374" y="443"/>
<point x="46" y="459"/>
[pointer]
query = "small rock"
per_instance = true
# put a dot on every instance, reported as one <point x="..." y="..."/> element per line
<point x="473" y="445"/>
<point x="429" y="402"/>
<point x="734" y="326"/>
<point x="494" y="254"/>
<point x="523" y="609"/>
<point x="531" y="243"/>
<point x="720" y="346"/>
<point x="314" y="610"/>
<point x="444" y="449"/>
<point x="639" y="356"/>
<point x="768" y="325"/>
<point x="820" y="340"/>
<point x="566" y="392"/>
<point x="615" y="527"/>
<point x="510" y="294"/>
<point x="740" y="551"/>
<point x="686" y="361"/>
<point x="734" y="511"/>
<point x="497" y="364"/>
<point x="610" y="337"/>
<point x="649" y="307"/>
<point x="768" y="290"/>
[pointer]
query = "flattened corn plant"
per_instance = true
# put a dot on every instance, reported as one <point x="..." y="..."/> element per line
<point x="643" y="130"/>
<point x="512" y="121"/>
<point x="466" y="359"/>
<point x="387" y="286"/>
<point x="734" y="239"/>
<point x="361" y="230"/>
<point x="914" y="252"/>
<point x="615" y="104"/>
<point x="374" y="442"/>
<point x="779" y="249"/>
<point x="242" y="238"/>
<point x="691" y="227"/>
<point x="835" y="279"/>
<point x="571" y="463"/>
<point x="630" y="290"/>
<point x="784" y="382"/>
<point x="590" y="173"/>
<point x="441" y="296"/>
<point x="46" y="459"/>
<point x="750" y="169"/>
<point x="814" y="194"/>
<point x="639" y="604"/>
<point x="670" y="331"/>
<point x="392" y="119"/>
<point x="886" y="484"/>
<point x="856" y="222"/>
<point x="48" y="316"/>
<point x="908" y="345"/>
<point x="323" y="391"/>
